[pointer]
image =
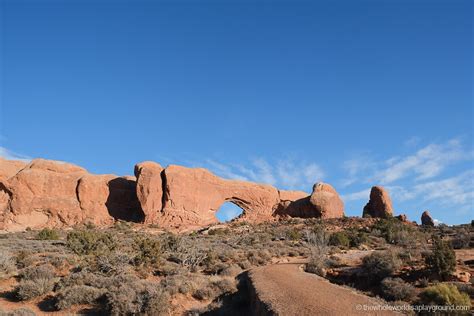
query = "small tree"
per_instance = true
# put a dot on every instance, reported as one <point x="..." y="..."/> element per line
<point x="442" y="260"/>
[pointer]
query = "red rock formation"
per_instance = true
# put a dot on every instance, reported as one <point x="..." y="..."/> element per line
<point x="426" y="219"/>
<point x="192" y="197"/>
<point x="379" y="205"/>
<point x="48" y="193"/>
<point x="326" y="202"/>
<point x="8" y="168"/>
<point x="149" y="189"/>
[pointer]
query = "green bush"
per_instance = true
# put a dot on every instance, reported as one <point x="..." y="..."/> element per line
<point x="356" y="237"/>
<point x="339" y="239"/>
<point x="442" y="260"/>
<point x="90" y="242"/>
<point x="397" y="290"/>
<point x="396" y="232"/>
<point x="149" y="251"/>
<point x="379" y="265"/>
<point x="293" y="234"/>
<point x="47" y="234"/>
<point x="444" y="294"/>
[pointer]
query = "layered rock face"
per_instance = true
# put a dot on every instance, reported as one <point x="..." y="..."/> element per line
<point x="426" y="219"/>
<point x="48" y="193"/>
<point x="379" y="205"/>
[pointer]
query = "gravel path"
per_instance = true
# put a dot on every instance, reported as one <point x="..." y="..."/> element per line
<point x="287" y="290"/>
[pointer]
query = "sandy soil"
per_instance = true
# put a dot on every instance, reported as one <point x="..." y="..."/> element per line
<point x="288" y="290"/>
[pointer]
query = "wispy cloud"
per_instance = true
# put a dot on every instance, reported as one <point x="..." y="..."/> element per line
<point x="285" y="174"/>
<point x="11" y="155"/>
<point x="425" y="163"/>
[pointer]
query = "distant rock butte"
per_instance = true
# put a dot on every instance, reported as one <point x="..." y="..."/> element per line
<point x="47" y="193"/>
<point x="426" y="219"/>
<point x="379" y="205"/>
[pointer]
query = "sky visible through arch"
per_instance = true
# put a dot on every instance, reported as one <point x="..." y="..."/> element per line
<point x="284" y="92"/>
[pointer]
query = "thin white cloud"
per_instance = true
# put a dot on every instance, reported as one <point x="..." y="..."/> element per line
<point x="11" y="155"/>
<point x="425" y="163"/>
<point x="357" y="196"/>
<point x="285" y="174"/>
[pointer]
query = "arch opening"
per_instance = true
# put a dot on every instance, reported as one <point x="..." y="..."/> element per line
<point x="228" y="211"/>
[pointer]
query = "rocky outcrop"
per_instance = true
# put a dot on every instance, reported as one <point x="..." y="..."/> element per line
<point x="326" y="201"/>
<point x="150" y="189"/>
<point x="9" y="168"/>
<point x="47" y="193"/>
<point x="192" y="196"/>
<point x="379" y="205"/>
<point x="402" y="218"/>
<point x="426" y="219"/>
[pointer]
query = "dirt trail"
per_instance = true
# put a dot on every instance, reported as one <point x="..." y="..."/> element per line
<point x="284" y="289"/>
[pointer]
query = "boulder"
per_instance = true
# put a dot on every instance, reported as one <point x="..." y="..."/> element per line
<point x="193" y="195"/>
<point x="150" y="189"/>
<point x="326" y="202"/>
<point x="426" y="219"/>
<point x="379" y="205"/>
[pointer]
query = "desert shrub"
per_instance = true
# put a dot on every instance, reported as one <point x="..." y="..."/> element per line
<point x="78" y="294"/>
<point x="7" y="265"/>
<point x="47" y="234"/>
<point x="24" y="259"/>
<point x="444" y="294"/>
<point x="461" y="241"/>
<point x="136" y="297"/>
<point x="318" y="241"/>
<point x="339" y="239"/>
<point x="293" y="234"/>
<point x="87" y="242"/>
<point x="379" y="265"/>
<point x="18" y="312"/>
<point x="356" y="237"/>
<point x="316" y="266"/>
<point x="113" y="263"/>
<point x="149" y="251"/>
<point x="442" y="260"/>
<point x="395" y="232"/>
<point x="397" y="290"/>
<point x="35" y="281"/>
<point x="216" y="287"/>
<point x="28" y="289"/>
<point x="218" y="232"/>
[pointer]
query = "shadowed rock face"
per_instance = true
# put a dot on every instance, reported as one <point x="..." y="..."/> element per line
<point x="379" y="205"/>
<point x="426" y="219"/>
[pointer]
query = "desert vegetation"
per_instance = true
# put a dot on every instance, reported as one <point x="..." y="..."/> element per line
<point x="133" y="269"/>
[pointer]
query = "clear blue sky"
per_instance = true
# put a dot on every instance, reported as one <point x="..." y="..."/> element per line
<point x="354" y="93"/>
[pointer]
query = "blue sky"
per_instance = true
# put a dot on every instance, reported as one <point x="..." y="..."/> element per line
<point x="281" y="92"/>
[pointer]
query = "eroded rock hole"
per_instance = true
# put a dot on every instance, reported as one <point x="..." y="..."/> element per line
<point x="228" y="211"/>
